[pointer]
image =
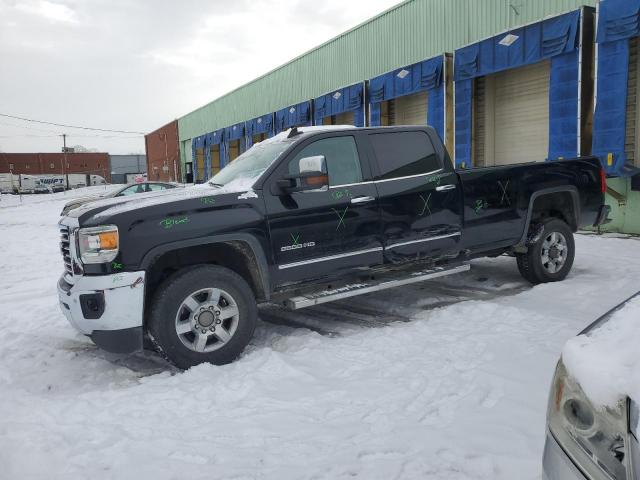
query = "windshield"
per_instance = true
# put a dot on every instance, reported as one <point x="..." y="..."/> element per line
<point x="253" y="162"/>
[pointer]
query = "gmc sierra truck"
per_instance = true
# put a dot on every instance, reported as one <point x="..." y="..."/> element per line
<point x="309" y="216"/>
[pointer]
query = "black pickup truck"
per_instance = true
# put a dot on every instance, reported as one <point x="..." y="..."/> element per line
<point x="309" y="216"/>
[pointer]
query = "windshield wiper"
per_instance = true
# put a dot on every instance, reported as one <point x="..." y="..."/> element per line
<point x="216" y="184"/>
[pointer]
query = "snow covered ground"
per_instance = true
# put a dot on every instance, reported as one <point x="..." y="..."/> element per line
<point x="443" y="380"/>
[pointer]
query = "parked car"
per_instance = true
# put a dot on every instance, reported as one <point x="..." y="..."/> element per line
<point x="584" y="439"/>
<point x="124" y="191"/>
<point x="310" y="216"/>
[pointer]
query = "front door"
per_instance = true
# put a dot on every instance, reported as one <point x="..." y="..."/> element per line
<point x="419" y="196"/>
<point x="327" y="231"/>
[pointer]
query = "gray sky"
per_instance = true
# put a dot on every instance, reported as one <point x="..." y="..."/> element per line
<point x="136" y="65"/>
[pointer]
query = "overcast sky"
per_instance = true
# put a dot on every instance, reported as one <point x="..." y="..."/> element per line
<point x="136" y="65"/>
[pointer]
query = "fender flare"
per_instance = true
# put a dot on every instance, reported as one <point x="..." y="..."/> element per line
<point x="250" y="240"/>
<point x="570" y="189"/>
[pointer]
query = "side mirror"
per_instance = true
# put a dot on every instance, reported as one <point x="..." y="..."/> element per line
<point x="312" y="176"/>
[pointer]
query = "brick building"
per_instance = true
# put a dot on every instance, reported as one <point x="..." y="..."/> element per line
<point x="163" y="154"/>
<point x="56" y="163"/>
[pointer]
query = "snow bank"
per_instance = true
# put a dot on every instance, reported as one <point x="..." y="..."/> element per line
<point x="606" y="361"/>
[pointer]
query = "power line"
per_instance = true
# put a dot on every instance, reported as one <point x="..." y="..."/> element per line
<point x="67" y="126"/>
<point x="56" y="134"/>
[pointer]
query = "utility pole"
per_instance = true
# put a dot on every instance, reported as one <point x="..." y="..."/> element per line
<point x="64" y="151"/>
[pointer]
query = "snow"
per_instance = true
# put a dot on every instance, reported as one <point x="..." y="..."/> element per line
<point x="442" y="380"/>
<point x="606" y="361"/>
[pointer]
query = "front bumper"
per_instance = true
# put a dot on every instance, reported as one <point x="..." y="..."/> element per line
<point x="107" y="308"/>
<point x="556" y="465"/>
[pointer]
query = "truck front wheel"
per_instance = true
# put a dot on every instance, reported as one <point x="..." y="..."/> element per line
<point x="205" y="314"/>
<point x="550" y="258"/>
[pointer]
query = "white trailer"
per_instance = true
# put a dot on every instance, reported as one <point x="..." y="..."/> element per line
<point x="9" y="183"/>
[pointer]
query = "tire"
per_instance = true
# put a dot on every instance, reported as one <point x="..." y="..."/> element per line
<point x="188" y="326"/>
<point x="532" y="265"/>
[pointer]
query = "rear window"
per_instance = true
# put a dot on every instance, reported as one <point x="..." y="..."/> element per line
<point x="402" y="154"/>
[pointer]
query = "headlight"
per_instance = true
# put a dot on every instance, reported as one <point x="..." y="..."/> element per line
<point x="595" y="438"/>
<point x="98" y="244"/>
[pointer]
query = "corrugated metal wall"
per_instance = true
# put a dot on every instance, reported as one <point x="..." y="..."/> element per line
<point x="408" y="33"/>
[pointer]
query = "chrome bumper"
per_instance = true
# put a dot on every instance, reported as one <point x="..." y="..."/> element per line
<point x="556" y="465"/>
<point x="108" y="308"/>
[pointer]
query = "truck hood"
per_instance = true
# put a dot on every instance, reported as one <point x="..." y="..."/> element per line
<point x="98" y="212"/>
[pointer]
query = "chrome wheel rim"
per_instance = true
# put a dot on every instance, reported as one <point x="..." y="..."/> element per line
<point x="207" y="320"/>
<point x="554" y="252"/>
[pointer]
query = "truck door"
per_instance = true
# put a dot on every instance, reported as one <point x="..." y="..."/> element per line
<point x="419" y="196"/>
<point x="328" y="230"/>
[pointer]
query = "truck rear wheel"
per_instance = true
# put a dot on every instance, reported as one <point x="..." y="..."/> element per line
<point x="550" y="258"/>
<point x="205" y="314"/>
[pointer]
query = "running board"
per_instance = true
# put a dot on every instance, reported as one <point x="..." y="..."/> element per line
<point x="354" y="289"/>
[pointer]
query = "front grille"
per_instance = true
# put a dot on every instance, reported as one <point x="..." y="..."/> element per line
<point x="65" y="243"/>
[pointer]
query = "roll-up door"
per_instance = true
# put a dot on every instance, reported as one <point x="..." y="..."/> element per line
<point x="200" y="164"/>
<point x="388" y="113"/>
<point x="234" y="150"/>
<point x="411" y="109"/>
<point x="259" y="137"/>
<point x="631" y="123"/>
<point x="215" y="159"/>
<point x="520" y="114"/>
<point x="344" y="118"/>
<point x="479" y="122"/>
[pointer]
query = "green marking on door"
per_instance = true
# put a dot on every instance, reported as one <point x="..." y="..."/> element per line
<point x="425" y="204"/>
<point x="341" y="216"/>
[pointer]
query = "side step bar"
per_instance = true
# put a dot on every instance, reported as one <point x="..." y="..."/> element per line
<point x="354" y="289"/>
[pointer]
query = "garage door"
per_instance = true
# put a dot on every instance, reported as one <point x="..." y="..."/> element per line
<point x="215" y="159"/>
<point x="410" y="109"/>
<point x="234" y="150"/>
<point x="200" y="164"/>
<point x="521" y="114"/>
<point x="344" y="118"/>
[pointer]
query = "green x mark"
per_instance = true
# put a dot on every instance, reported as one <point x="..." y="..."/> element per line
<point x="425" y="206"/>
<point x="295" y="239"/>
<point x="341" y="217"/>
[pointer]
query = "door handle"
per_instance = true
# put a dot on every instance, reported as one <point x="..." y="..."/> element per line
<point x="362" y="199"/>
<point x="444" y="188"/>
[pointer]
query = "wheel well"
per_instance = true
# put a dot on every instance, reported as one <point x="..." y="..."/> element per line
<point x="555" y="205"/>
<point x="234" y="255"/>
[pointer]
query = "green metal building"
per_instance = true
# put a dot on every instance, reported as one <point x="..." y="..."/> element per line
<point x="478" y="112"/>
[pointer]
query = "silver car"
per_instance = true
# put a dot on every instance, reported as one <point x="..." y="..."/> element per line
<point x="584" y="442"/>
<point x="130" y="189"/>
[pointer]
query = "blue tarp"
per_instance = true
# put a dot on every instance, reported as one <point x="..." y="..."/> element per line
<point x="618" y="21"/>
<point x="339" y="101"/>
<point x="556" y="38"/>
<point x="426" y="75"/>
<point x="293" y="116"/>
<point x="258" y="125"/>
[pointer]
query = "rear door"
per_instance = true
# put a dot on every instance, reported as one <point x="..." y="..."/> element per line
<point x="419" y="195"/>
<point x="326" y="231"/>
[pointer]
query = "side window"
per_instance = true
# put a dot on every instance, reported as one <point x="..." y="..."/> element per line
<point x="154" y="187"/>
<point x="401" y="154"/>
<point x="341" y="154"/>
<point x="131" y="190"/>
